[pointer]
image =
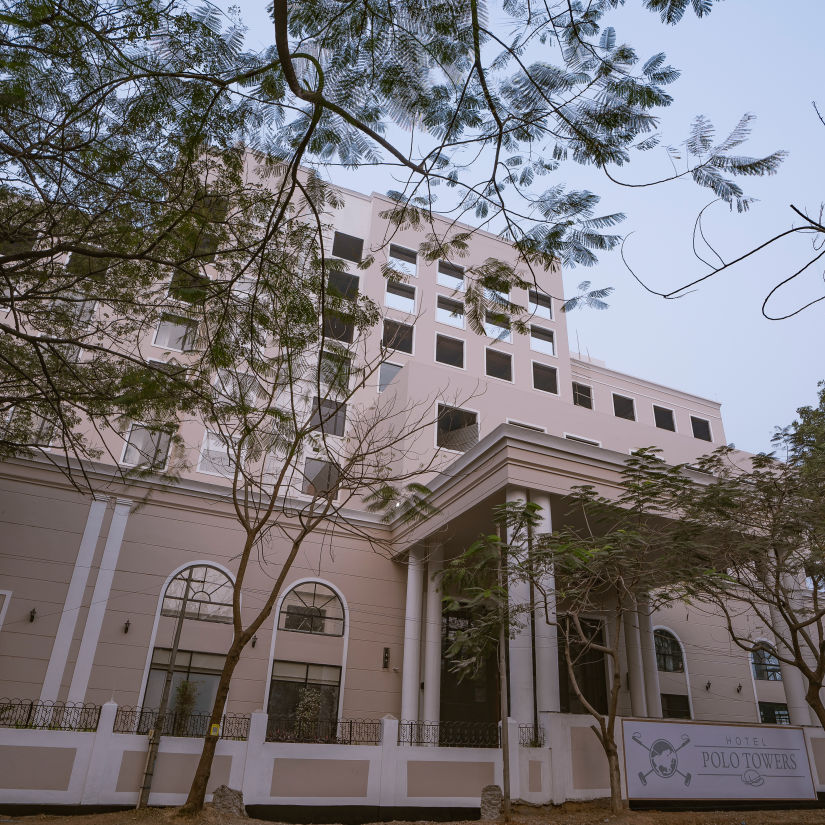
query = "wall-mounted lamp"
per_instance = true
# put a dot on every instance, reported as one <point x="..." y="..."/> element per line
<point x="707" y="685"/>
<point x="32" y="614"/>
<point x="126" y="625"/>
<point x="385" y="659"/>
<point x="254" y="641"/>
<point x="739" y="688"/>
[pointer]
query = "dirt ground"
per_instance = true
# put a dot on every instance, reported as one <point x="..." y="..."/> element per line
<point x="569" y="814"/>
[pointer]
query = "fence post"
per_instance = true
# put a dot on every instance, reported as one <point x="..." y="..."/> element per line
<point x="515" y="758"/>
<point x="255" y="788"/>
<point x="94" y="784"/>
<point x="390" y="764"/>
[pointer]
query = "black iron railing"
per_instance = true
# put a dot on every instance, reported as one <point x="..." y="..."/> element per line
<point x="531" y="736"/>
<point x="194" y="725"/>
<point x="449" y="734"/>
<point x="340" y="732"/>
<point x="24" y="713"/>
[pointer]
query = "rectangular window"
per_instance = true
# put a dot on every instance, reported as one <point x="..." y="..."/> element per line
<point x="582" y="395"/>
<point x="335" y="369"/>
<point x="539" y="304"/>
<point x="321" y="478"/>
<point x="347" y="247"/>
<point x="664" y="418"/>
<point x="451" y="276"/>
<point x="400" y="296"/>
<point x="176" y="333"/>
<point x="386" y="373"/>
<point x="701" y="428"/>
<point x="499" y="364"/>
<point x="303" y="702"/>
<point x="774" y="713"/>
<point x="542" y="340"/>
<point x="146" y="447"/>
<point x="190" y="287"/>
<point x="582" y="440"/>
<point x="87" y="266"/>
<point x="496" y="326"/>
<point x="329" y="417"/>
<point x="398" y="336"/>
<point x="403" y="260"/>
<point x="449" y="351"/>
<point x="236" y="388"/>
<point x="456" y="429"/>
<point x="217" y="457"/>
<point x="589" y="668"/>
<point x="343" y="285"/>
<point x="448" y="311"/>
<point x="675" y="706"/>
<point x="338" y="326"/>
<point x="545" y="378"/>
<point x="624" y="407"/>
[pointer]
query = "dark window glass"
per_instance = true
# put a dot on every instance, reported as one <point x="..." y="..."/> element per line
<point x="765" y="664"/>
<point x="347" y="247"/>
<point x="582" y="395"/>
<point x="664" y="418"/>
<point x="87" y="266"/>
<point x="545" y="378"/>
<point x="343" y="285"/>
<point x="303" y="701"/>
<point x="338" y="326"/>
<point x="499" y="364"/>
<point x="386" y="372"/>
<point x="320" y="478"/>
<point x="329" y="416"/>
<point x="675" y="706"/>
<point x="624" y="407"/>
<point x="190" y="287"/>
<point x="398" y="336"/>
<point x="456" y="429"/>
<point x="540" y="303"/>
<point x="335" y="369"/>
<point x="406" y="255"/>
<point x="701" y="428"/>
<point x="588" y="668"/>
<point x="774" y="713"/>
<point x="668" y="652"/>
<point x="449" y="351"/>
<point x="201" y="673"/>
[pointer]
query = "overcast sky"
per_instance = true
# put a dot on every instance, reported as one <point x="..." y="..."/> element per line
<point x="757" y="56"/>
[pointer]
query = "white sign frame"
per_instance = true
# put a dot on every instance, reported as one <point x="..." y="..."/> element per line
<point x="714" y="762"/>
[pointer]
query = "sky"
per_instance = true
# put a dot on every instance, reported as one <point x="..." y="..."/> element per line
<point x="758" y="56"/>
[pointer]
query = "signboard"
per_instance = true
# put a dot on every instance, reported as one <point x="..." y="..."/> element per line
<point x="695" y="760"/>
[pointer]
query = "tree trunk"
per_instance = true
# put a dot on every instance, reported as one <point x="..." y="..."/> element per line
<point x="814" y="699"/>
<point x="616" y="801"/>
<point x="197" y="792"/>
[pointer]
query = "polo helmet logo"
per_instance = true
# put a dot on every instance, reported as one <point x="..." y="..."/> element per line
<point x="664" y="758"/>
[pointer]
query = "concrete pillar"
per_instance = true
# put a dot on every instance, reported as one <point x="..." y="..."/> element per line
<point x="411" y="673"/>
<point x="792" y="680"/>
<point x="635" y="671"/>
<point x="653" y="695"/>
<point x="521" y="654"/>
<point x="432" y="638"/>
<point x="547" y="652"/>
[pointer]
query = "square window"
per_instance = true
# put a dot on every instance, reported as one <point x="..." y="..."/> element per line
<point x="217" y="458"/>
<point x="542" y="340"/>
<point x="451" y="276"/>
<point x="582" y="395"/>
<point x="456" y="429"/>
<point x="664" y="418"/>
<point x="335" y="369"/>
<point x="539" y="304"/>
<point x="400" y="296"/>
<point x="403" y="260"/>
<point x="321" y="478"/>
<point x="176" y="333"/>
<point x="497" y="326"/>
<point x="236" y="388"/>
<point x="675" y="706"/>
<point x="499" y="364"/>
<point x="328" y="416"/>
<point x="624" y="407"/>
<point x="398" y="336"/>
<point x="386" y="373"/>
<point x="701" y="428"/>
<point x="448" y="311"/>
<point x="343" y="285"/>
<point x="189" y="287"/>
<point x="338" y="326"/>
<point x="146" y="447"/>
<point x="545" y="378"/>
<point x="449" y="351"/>
<point x="347" y="247"/>
<point x="87" y="266"/>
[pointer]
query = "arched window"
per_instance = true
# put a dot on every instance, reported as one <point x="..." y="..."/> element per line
<point x="765" y="664"/>
<point x="312" y="607"/>
<point x="668" y="652"/>
<point x="209" y="597"/>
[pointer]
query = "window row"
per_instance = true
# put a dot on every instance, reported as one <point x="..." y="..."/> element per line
<point x="625" y="407"/>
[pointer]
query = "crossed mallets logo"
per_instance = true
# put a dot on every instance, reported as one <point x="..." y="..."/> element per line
<point x="664" y="759"/>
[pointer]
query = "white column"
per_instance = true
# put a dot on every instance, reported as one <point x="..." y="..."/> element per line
<point x="521" y="655"/>
<point x="100" y="599"/>
<point x="547" y="652"/>
<point x="792" y="680"/>
<point x="635" y="671"/>
<point x="432" y="638"/>
<point x="74" y="600"/>
<point x="653" y="694"/>
<point x="411" y="673"/>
